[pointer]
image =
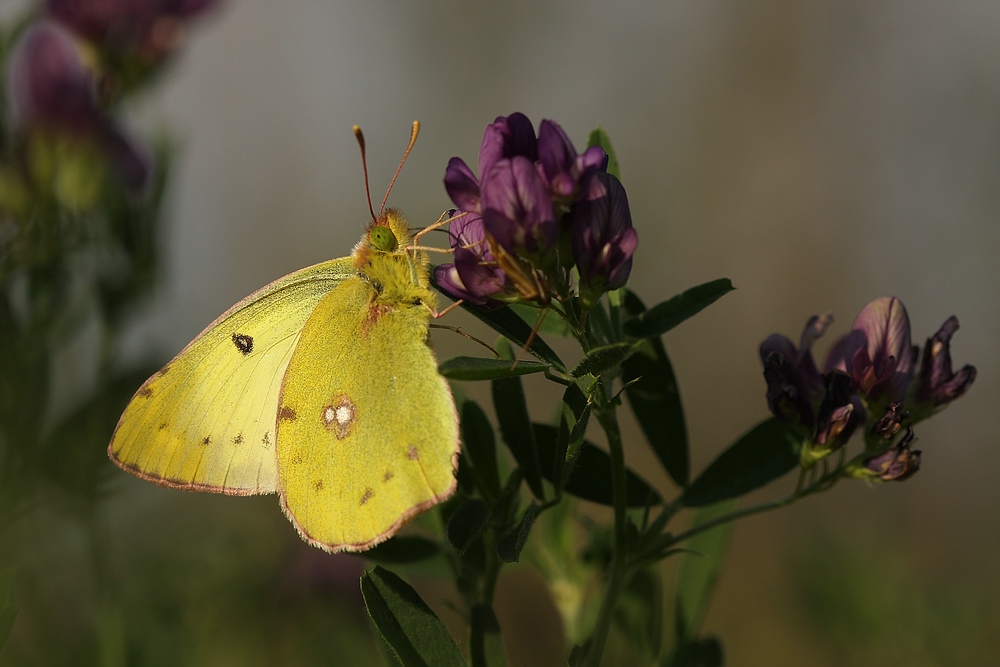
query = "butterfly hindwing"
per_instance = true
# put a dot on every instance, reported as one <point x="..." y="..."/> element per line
<point x="206" y="420"/>
<point x="367" y="428"/>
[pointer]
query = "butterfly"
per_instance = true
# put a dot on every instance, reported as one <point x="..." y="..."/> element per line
<point x="320" y="387"/>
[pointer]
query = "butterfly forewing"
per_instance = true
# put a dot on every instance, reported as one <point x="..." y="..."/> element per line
<point x="207" y="419"/>
<point x="367" y="428"/>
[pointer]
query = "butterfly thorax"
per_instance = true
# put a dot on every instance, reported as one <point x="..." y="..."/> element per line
<point x="398" y="273"/>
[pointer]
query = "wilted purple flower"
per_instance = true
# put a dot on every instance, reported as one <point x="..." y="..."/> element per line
<point x="822" y="405"/>
<point x="936" y="384"/>
<point x="50" y="89"/>
<point x="897" y="463"/>
<point x="474" y="276"/>
<point x="877" y="353"/>
<point x="603" y="237"/>
<point x="149" y="29"/>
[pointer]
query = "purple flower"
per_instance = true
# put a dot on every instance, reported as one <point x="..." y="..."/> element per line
<point x="822" y="405"/>
<point x="474" y="275"/>
<point x="150" y="29"/>
<point x="896" y="464"/>
<point x="517" y="207"/>
<point x="603" y="237"/>
<point x="567" y="174"/>
<point x="936" y="384"/>
<point x="51" y="90"/>
<point x="877" y="353"/>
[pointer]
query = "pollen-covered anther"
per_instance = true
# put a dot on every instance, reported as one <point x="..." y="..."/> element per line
<point x="339" y="416"/>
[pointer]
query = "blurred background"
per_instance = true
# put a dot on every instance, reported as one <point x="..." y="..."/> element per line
<point x="818" y="154"/>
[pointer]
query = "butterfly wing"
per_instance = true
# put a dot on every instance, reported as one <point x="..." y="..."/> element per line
<point x="367" y="428"/>
<point x="206" y="420"/>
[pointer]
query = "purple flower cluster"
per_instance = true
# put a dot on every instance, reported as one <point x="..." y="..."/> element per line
<point x="869" y="372"/>
<point x="537" y="208"/>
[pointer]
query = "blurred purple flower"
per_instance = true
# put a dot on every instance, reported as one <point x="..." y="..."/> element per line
<point x="877" y="353"/>
<point x="603" y="237"/>
<point x="150" y="29"/>
<point x="936" y="384"/>
<point x="50" y="89"/>
<point x="474" y="276"/>
<point x="793" y="383"/>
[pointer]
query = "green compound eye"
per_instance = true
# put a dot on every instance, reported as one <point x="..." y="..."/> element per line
<point x="382" y="238"/>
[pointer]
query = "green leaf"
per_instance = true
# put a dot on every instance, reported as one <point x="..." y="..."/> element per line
<point x="479" y="368"/>
<point x="403" y="549"/>
<point x="700" y="567"/>
<point x="509" y="547"/>
<point x="8" y="612"/>
<point x="408" y="625"/>
<point x="663" y="317"/>
<point x="507" y="323"/>
<point x="591" y="476"/>
<point x="639" y="612"/>
<point x="655" y="398"/>
<point x="550" y="323"/>
<point x="599" y="137"/>
<point x="572" y="427"/>
<point x="467" y="523"/>
<point x="480" y="447"/>
<point x="768" y="451"/>
<point x="486" y="645"/>
<point x="602" y="359"/>
<point x="515" y="427"/>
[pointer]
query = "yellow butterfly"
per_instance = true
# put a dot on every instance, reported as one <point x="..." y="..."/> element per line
<point x="321" y="387"/>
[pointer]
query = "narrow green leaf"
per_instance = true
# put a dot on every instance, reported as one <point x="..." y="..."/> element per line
<point x="486" y="645"/>
<point x="515" y="427"/>
<point x="654" y="395"/>
<point x="403" y="549"/>
<point x="700" y="567"/>
<point x="663" y="317"/>
<point x="598" y="137"/>
<point x="509" y="547"/>
<point x="602" y="359"/>
<point x="591" y="476"/>
<point x="639" y="612"/>
<point x="408" y="625"/>
<point x="479" y="368"/>
<point x="507" y="323"/>
<point x="480" y="447"/>
<point x="765" y="453"/>
<point x="467" y="523"/>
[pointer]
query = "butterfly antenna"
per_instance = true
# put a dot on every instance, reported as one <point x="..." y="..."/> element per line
<point x="364" y="166"/>
<point x="413" y="140"/>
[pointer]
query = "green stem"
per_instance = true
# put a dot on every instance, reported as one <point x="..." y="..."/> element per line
<point x="618" y="575"/>
<point x="822" y="484"/>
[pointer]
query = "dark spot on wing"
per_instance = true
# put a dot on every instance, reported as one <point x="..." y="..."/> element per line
<point x="243" y="343"/>
<point x="266" y="439"/>
<point x="146" y="392"/>
<point x="162" y="426"/>
<point x="286" y="414"/>
<point x="387" y="476"/>
<point x="369" y="494"/>
<point x="238" y="439"/>
<point x="207" y="440"/>
<point x="412" y="453"/>
<point x="318" y="485"/>
<point x="163" y="371"/>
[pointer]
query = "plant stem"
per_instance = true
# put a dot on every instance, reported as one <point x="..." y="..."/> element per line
<point x="618" y="574"/>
